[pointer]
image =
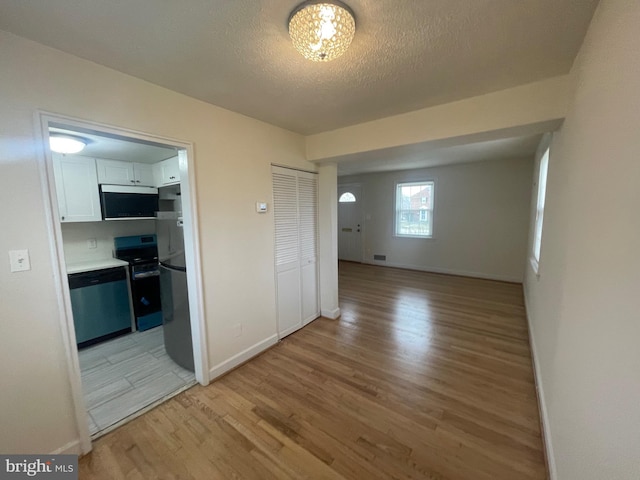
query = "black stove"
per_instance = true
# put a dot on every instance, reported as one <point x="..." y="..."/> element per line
<point x="141" y="251"/>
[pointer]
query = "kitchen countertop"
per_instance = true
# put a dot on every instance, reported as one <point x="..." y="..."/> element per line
<point x="91" y="265"/>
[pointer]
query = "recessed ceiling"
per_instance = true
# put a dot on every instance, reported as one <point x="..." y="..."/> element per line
<point x="406" y="54"/>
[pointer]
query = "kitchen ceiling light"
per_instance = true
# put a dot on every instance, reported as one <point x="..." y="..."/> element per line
<point x="66" y="143"/>
<point x="322" y="31"/>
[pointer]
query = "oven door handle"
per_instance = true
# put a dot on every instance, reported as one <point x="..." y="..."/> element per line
<point x="153" y="273"/>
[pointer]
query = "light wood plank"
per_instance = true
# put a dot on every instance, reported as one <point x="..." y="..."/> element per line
<point x="424" y="376"/>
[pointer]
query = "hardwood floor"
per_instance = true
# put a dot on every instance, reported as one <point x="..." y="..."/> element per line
<point x="424" y="376"/>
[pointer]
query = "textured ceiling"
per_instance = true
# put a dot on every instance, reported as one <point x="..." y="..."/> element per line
<point x="407" y="54"/>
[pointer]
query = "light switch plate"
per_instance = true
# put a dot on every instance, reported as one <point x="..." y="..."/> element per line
<point x="92" y="243"/>
<point x="19" y="260"/>
<point x="261" y="207"/>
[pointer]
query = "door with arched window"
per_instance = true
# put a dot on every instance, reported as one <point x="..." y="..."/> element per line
<point x="350" y="222"/>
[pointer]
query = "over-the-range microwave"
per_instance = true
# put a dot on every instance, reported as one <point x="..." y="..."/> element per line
<point x="121" y="202"/>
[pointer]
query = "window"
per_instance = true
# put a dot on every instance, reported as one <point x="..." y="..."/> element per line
<point x="414" y="209"/>
<point x="542" y="190"/>
<point x="347" y="197"/>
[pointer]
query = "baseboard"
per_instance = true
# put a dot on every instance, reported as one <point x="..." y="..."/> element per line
<point x="544" y="415"/>
<point x="242" y="357"/>
<point x="448" y="271"/>
<point x="332" y="314"/>
<point x="71" y="448"/>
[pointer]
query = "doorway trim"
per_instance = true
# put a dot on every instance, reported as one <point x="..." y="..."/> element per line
<point x="192" y="254"/>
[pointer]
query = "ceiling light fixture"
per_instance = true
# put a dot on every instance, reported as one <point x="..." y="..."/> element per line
<point x="66" y="143"/>
<point x="322" y="31"/>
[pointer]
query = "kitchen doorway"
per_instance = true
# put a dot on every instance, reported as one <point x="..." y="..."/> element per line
<point x="120" y="361"/>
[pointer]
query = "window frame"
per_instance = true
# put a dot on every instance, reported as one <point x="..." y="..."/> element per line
<point x="355" y="199"/>
<point x="538" y="223"/>
<point x="431" y="210"/>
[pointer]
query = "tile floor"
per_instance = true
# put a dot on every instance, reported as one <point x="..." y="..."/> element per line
<point x="126" y="374"/>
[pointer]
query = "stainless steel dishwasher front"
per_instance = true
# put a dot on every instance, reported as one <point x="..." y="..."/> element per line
<point x="100" y="304"/>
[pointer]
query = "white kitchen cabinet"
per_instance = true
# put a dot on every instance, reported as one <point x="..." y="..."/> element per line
<point x="167" y="172"/>
<point x="117" y="172"/>
<point x="76" y="188"/>
<point x="143" y="174"/>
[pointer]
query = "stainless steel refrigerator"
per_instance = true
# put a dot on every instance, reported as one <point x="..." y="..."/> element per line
<point x="173" y="287"/>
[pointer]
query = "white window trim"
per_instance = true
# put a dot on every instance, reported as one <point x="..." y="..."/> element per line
<point x="538" y="225"/>
<point x="355" y="199"/>
<point x="395" y="209"/>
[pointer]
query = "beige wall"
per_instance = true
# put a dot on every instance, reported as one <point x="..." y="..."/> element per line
<point x="584" y="308"/>
<point x="481" y="213"/>
<point x="524" y="110"/>
<point x="232" y="165"/>
<point x="76" y="236"/>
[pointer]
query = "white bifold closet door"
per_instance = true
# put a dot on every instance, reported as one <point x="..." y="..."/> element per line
<point x="295" y="207"/>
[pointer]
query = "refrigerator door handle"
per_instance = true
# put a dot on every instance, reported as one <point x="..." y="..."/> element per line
<point x="172" y="267"/>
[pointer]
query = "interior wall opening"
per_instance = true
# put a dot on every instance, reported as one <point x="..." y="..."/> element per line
<point x="123" y="221"/>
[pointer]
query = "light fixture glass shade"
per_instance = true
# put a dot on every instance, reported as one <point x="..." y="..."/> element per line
<point x="66" y="144"/>
<point x="321" y="31"/>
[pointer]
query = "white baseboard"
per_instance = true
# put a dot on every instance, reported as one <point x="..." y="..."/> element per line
<point x="242" y="357"/>
<point x="332" y="314"/>
<point x="71" y="448"/>
<point x="544" y="415"/>
<point x="448" y="271"/>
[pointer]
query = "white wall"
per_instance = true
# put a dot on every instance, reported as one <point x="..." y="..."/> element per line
<point x="76" y="236"/>
<point x="481" y="213"/>
<point x="328" y="225"/>
<point x="584" y="309"/>
<point x="232" y="165"/>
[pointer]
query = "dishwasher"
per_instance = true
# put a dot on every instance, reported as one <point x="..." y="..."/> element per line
<point x="100" y="304"/>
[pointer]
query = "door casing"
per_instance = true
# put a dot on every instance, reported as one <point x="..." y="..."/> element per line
<point x="43" y="120"/>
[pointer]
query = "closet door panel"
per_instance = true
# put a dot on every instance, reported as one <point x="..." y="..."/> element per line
<point x="287" y="246"/>
<point x="308" y="234"/>
<point x="295" y="206"/>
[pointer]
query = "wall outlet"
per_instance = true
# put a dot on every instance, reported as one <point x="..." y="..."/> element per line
<point x="19" y="260"/>
<point x="92" y="243"/>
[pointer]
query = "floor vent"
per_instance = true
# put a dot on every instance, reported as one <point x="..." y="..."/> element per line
<point x="380" y="257"/>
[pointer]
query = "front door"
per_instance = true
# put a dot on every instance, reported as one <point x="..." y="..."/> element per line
<point x="350" y="222"/>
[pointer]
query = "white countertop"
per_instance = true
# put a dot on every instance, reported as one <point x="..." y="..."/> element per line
<point x="91" y="265"/>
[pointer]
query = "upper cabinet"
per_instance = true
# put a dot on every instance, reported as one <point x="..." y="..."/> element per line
<point x="143" y="174"/>
<point x="77" y="181"/>
<point x="116" y="172"/>
<point x="77" y="188"/>
<point x="167" y="172"/>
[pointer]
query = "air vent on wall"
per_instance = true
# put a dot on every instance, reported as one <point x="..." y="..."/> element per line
<point x="380" y="257"/>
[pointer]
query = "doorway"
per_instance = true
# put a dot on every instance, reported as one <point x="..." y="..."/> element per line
<point x="350" y="222"/>
<point x="132" y="367"/>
